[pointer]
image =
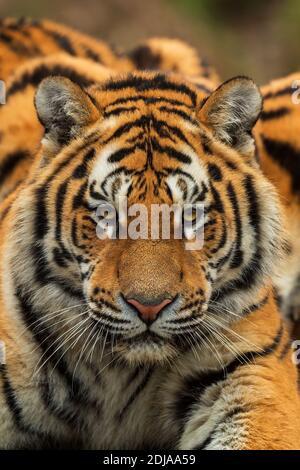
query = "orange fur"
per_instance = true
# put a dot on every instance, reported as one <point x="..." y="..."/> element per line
<point x="47" y="238"/>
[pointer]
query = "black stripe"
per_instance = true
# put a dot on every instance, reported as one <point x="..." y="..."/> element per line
<point x="180" y="113"/>
<point x="95" y="194"/>
<point x="238" y="256"/>
<point x="223" y="238"/>
<point x="236" y="411"/>
<point x="42" y="269"/>
<point x="5" y="212"/>
<point x="115" y="309"/>
<point x="78" y="200"/>
<point x="61" y="40"/>
<point x="217" y="203"/>
<point x="91" y="54"/>
<point x="179" y="171"/>
<point x="10" y="162"/>
<point x="286" y="349"/>
<point x="46" y="340"/>
<point x="224" y="259"/>
<point x="81" y="170"/>
<point x="157" y="82"/>
<point x="125" y="128"/>
<point x="158" y="125"/>
<point x="274" y="114"/>
<point x="35" y="76"/>
<point x="16" y="411"/>
<point x="41" y="225"/>
<point x="64" y="412"/>
<point x="214" y="172"/>
<point x="120" y="110"/>
<point x="135" y="394"/>
<point x="43" y="274"/>
<point x="251" y="356"/>
<point x="61" y="255"/>
<point x="43" y="336"/>
<point x="287" y="156"/>
<point x="202" y="87"/>
<point x="257" y="306"/>
<point x="199" y="196"/>
<point x="144" y="58"/>
<point x="17" y="46"/>
<point x="194" y="386"/>
<point x="74" y="237"/>
<point x="284" y="91"/>
<point x="148" y="100"/>
<point x="162" y="126"/>
<point x="137" y="371"/>
<point x="11" y="399"/>
<point x="253" y="206"/>
<point x="171" y="152"/>
<point x="207" y="441"/>
<point x="119" y="155"/>
<point x="59" y="205"/>
<point x="113" y="321"/>
<point x="250" y="272"/>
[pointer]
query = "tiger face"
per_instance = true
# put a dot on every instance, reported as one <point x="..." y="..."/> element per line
<point x="153" y="140"/>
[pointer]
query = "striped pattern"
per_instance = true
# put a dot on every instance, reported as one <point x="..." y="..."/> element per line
<point x="83" y="370"/>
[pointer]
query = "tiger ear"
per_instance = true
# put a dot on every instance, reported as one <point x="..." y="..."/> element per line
<point x="64" y="109"/>
<point x="231" y="111"/>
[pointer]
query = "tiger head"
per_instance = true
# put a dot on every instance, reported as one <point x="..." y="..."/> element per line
<point x="152" y="139"/>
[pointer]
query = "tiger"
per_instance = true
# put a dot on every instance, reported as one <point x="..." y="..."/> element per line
<point x="38" y="48"/>
<point x="122" y="343"/>
<point x="278" y="149"/>
<point x="24" y="39"/>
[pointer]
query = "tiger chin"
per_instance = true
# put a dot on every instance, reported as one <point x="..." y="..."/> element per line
<point x="130" y="343"/>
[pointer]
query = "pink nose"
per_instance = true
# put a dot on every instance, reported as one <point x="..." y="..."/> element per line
<point x="148" y="313"/>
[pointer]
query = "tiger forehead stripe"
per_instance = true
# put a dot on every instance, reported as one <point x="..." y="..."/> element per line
<point x="149" y="100"/>
<point x="157" y="82"/>
<point x="163" y="128"/>
<point x="127" y="107"/>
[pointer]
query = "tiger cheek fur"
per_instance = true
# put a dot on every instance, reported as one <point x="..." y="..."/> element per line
<point x="130" y="344"/>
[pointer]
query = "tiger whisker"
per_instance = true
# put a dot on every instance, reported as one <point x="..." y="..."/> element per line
<point x="210" y="346"/>
<point x="224" y="340"/>
<point x="53" y="332"/>
<point x="69" y="338"/>
<point x="241" y="338"/>
<point x="73" y="318"/>
<point x="227" y="310"/>
<point x="77" y="326"/>
<point x="96" y="336"/>
<point x="53" y="315"/>
<point x="85" y="345"/>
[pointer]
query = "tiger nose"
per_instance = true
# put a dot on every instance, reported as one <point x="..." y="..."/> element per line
<point x="147" y="312"/>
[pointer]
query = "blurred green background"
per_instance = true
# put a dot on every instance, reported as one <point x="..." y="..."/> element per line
<point x="255" y="38"/>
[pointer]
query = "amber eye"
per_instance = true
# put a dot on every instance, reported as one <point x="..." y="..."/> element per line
<point x="190" y="215"/>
